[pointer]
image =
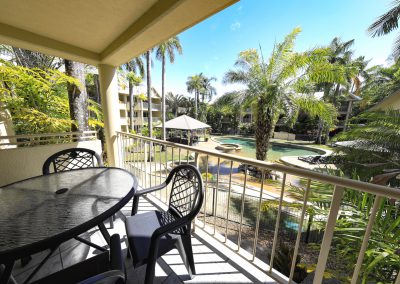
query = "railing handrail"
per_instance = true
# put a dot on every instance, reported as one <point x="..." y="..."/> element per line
<point x="48" y="134"/>
<point x="309" y="174"/>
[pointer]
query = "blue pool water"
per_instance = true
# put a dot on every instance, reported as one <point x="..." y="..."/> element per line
<point x="274" y="153"/>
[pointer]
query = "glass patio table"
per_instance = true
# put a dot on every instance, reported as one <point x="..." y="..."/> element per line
<point x="42" y="212"/>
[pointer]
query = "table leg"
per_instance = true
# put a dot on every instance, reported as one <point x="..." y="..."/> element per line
<point x="104" y="232"/>
<point x="5" y="275"/>
<point x="37" y="268"/>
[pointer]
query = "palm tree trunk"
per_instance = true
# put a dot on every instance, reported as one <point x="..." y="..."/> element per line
<point x="141" y="115"/>
<point x="163" y="98"/>
<point x="149" y="103"/>
<point x="264" y="129"/>
<point x="131" y="105"/>
<point x="336" y="94"/>
<point x="77" y="95"/>
<point x="319" y="134"/>
<point x="97" y="84"/>
<point x="196" y="95"/>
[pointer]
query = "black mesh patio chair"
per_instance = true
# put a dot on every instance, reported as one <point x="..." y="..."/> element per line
<point x="71" y="159"/>
<point x="152" y="234"/>
<point x="106" y="267"/>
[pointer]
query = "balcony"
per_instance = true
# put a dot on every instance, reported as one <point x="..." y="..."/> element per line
<point x="214" y="263"/>
<point x="254" y="216"/>
<point x="124" y="121"/>
<point x="123" y="105"/>
<point x="155" y="107"/>
<point x="235" y="239"/>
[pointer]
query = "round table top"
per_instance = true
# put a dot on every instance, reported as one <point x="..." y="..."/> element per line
<point x="44" y="211"/>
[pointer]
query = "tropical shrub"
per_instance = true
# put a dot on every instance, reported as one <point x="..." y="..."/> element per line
<point x="37" y="99"/>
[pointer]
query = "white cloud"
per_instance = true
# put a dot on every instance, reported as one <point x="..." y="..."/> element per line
<point x="235" y="26"/>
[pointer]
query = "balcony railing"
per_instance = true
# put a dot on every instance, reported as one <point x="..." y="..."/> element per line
<point x="47" y="138"/>
<point x="234" y="203"/>
<point x="154" y="106"/>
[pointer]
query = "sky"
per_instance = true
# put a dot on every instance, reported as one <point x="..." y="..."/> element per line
<point x="212" y="46"/>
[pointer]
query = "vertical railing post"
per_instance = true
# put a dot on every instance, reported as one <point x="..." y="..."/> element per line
<point x="328" y="235"/>
<point x="242" y="207"/>
<point x="367" y="234"/>
<point x="215" y="199"/>
<point x="258" y="215"/>
<point x="229" y="202"/>
<point x="278" y="219"/>
<point x="205" y="194"/>
<point x="297" y="244"/>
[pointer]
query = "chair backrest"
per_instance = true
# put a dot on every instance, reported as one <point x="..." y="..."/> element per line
<point x="187" y="191"/>
<point x="71" y="159"/>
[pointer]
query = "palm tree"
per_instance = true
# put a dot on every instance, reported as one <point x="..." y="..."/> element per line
<point x="78" y="97"/>
<point x="174" y="102"/>
<point x="149" y="103"/>
<point x="271" y="86"/>
<point x="387" y="23"/>
<point x="166" y="49"/>
<point x="208" y="90"/>
<point x="195" y="84"/>
<point x="30" y="59"/>
<point x="133" y="67"/>
<point x="339" y="54"/>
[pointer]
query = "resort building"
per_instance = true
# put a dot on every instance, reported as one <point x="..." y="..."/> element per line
<point x="140" y="108"/>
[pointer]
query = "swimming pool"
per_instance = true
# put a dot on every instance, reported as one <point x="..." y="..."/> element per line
<point x="276" y="151"/>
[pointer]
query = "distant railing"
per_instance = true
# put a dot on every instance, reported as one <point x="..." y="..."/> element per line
<point x="46" y="138"/>
<point x="234" y="201"/>
<point x="154" y="106"/>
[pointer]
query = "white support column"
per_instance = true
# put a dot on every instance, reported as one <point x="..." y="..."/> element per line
<point x="110" y="106"/>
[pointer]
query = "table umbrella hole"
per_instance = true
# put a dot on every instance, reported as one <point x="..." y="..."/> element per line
<point x="62" y="190"/>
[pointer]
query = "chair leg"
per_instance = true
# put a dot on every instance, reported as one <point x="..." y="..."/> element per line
<point x="135" y="205"/>
<point x="150" y="270"/>
<point x="184" y="247"/>
<point x="111" y="222"/>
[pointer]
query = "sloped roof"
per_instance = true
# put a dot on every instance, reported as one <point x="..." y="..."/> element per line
<point x="185" y="122"/>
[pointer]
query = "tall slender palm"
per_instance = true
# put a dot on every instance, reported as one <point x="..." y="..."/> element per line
<point x="195" y="84"/>
<point x="271" y="86"/>
<point x="148" y="82"/>
<point x="166" y="49"/>
<point x="134" y="67"/>
<point x="340" y="53"/>
<point x="387" y="23"/>
<point x="208" y="90"/>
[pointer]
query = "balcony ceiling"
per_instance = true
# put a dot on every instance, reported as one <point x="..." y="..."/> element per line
<point x="99" y="31"/>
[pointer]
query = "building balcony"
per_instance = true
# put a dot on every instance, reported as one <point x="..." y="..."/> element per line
<point x="123" y="105"/>
<point x="124" y="120"/>
<point x="253" y="215"/>
<point x="245" y="218"/>
<point x="155" y="107"/>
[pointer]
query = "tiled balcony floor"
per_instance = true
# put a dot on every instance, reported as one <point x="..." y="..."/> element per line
<point x="214" y="262"/>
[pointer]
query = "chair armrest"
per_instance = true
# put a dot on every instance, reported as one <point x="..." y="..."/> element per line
<point x="150" y="189"/>
<point x="111" y="276"/>
<point x="170" y="227"/>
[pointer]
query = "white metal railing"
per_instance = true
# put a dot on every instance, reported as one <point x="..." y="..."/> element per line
<point x="151" y="159"/>
<point x="46" y="138"/>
